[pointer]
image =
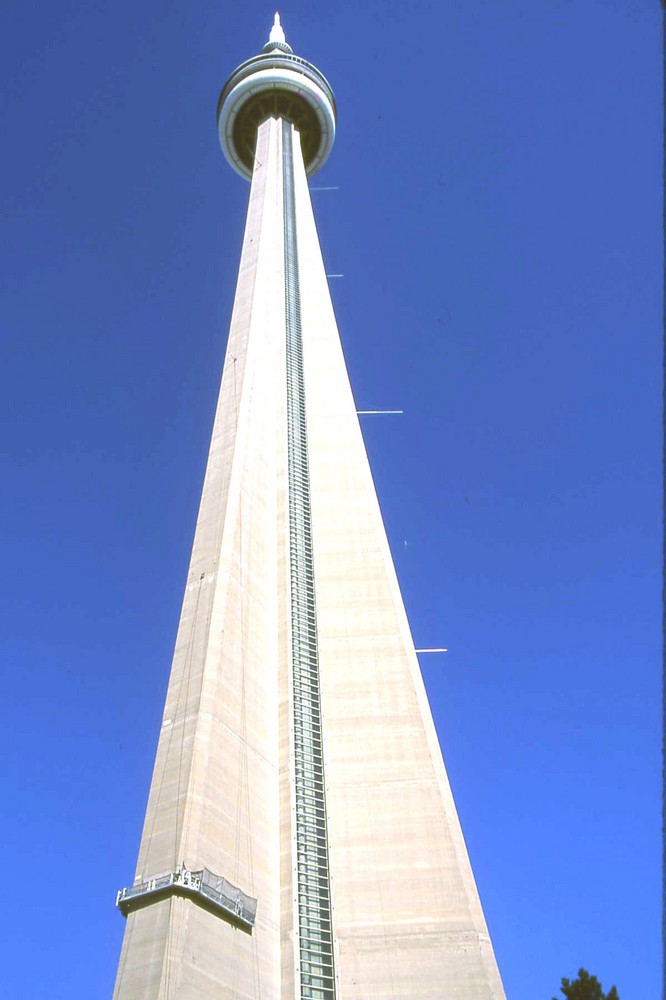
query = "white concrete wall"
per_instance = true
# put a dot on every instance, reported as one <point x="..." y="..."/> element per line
<point x="407" y="917"/>
<point x="214" y="795"/>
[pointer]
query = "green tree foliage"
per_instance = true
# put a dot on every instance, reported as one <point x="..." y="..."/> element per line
<point x="586" y="987"/>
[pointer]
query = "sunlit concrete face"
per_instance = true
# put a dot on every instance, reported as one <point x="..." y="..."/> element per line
<point x="214" y="794"/>
<point x="297" y="756"/>
<point x="407" y="917"/>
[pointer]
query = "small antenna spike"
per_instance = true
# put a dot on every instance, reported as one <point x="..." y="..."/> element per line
<point x="277" y="32"/>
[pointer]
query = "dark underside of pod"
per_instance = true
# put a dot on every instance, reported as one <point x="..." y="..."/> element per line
<point x="275" y="103"/>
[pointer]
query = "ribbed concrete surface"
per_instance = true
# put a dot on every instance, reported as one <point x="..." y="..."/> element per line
<point x="407" y="918"/>
<point x="214" y="795"/>
<point x="407" y="915"/>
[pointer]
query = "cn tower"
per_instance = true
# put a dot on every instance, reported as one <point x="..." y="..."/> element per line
<point x="300" y="841"/>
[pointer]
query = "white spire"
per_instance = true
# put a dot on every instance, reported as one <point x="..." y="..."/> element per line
<point x="277" y="34"/>
<point x="276" y="39"/>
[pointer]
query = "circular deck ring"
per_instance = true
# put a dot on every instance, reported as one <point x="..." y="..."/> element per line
<point x="276" y="85"/>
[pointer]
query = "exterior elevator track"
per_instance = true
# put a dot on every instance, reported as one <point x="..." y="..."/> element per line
<point x="314" y="895"/>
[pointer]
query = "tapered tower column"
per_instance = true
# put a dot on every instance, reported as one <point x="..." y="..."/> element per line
<point x="214" y="796"/>
<point x="300" y="840"/>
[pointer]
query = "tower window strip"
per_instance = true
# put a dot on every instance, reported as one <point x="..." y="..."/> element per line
<point x="311" y="836"/>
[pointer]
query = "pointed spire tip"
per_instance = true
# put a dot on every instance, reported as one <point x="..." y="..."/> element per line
<point x="277" y="32"/>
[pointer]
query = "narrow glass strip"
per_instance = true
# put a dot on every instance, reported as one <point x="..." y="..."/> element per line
<point x="311" y="837"/>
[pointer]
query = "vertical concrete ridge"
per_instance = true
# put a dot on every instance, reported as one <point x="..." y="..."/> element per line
<point x="407" y="915"/>
<point x="258" y="379"/>
<point x="293" y="637"/>
<point x="315" y="930"/>
<point x="214" y="794"/>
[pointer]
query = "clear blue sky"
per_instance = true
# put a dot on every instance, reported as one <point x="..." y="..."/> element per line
<point x="498" y="223"/>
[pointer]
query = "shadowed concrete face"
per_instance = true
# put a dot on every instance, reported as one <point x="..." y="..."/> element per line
<point x="297" y="756"/>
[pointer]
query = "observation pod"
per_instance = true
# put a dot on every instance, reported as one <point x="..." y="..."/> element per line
<point x="276" y="84"/>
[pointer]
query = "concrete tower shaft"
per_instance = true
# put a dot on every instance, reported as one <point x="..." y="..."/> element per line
<point x="300" y="840"/>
